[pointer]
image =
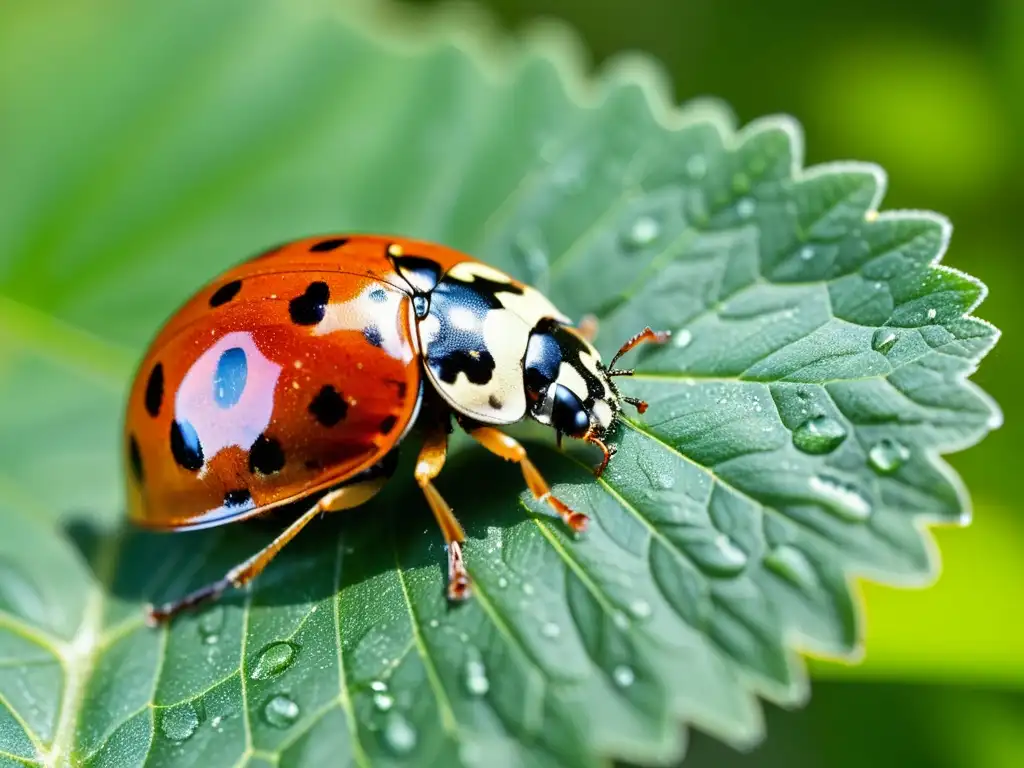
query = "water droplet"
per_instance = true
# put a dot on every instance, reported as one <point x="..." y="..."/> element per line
<point x="399" y="734"/>
<point x="280" y="711"/>
<point x="792" y="564"/>
<point x="180" y="722"/>
<point x="681" y="339"/>
<point x="644" y="231"/>
<point x="821" y="434"/>
<point x="210" y="624"/>
<point x="502" y="582"/>
<point x="476" y="678"/>
<point x="640" y="608"/>
<point x="273" y="660"/>
<point x="931" y="314"/>
<point x="882" y="340"/>
<point x="807" y="253"/>
<point x="623" y="676"/>
<point x="215" y="723"/>
<point x="528" y="588"/>
<point x="745" y="208"/>
<point x="434" y="623"/>
<point x="843" y="500"/>
<point x="382" y="700"/>
<point x="697" y="166"/>
<point x="888" y="455"/>
<point x="550" y="630"/>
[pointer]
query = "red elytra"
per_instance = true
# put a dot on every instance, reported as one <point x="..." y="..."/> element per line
<point x="298" y="372"/>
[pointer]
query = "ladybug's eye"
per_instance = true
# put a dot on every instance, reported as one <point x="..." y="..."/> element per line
<point x="568" y="414"/>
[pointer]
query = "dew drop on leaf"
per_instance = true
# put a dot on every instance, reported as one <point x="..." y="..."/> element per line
<point x="745" y="208"/>
<point x="643" y="232"/>
<point x="820" y="434"/>
<point x="550" y="630"/>
<point x="882" y="340"/>
<point x="623" y="676"/>
<point x="840" y="498"/>
<point x="281" y="711"/>
<point x="382" y="699"/>
<point x="717" y="556"/>
<point x="476" y="680"/>
<point x="792" y="565"/>
<point x="640" y="608"/>
<point x="807" y="253"/>
<point x="682" y="338"/>
<point x="273" y="660"/>
<point x="210" y="624"/>
<point x="932" y="313"/>
<point x="180" y="722"/>
<point x="887" y="455"/>
<point x="399" y="734"/>
<point x="502" y="582"/>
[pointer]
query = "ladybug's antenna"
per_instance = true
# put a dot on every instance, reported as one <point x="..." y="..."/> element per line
<point x="659" y="337"/>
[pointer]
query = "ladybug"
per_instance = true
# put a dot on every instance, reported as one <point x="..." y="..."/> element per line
<point x="297" y="373"/>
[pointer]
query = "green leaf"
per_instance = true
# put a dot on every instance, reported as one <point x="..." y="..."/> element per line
<point x="818" y="371"/>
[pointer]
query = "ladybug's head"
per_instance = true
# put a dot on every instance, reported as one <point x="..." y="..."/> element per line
<point x="569" y="388"/>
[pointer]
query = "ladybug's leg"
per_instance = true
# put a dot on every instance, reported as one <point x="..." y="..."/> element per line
<point x="499" y="443"/>
<point x="645" y="336"/>
<point x="588" y="327"/>
<point x="428" y="466"/>
<point x="345" y="497"/>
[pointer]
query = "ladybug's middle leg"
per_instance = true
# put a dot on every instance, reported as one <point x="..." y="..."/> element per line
<point x="428" y="466"/>
<point x="499" y="443"/>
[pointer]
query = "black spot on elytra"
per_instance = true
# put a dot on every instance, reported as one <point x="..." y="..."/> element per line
<point x="237" y="498"/>
<point x="309" y="308"/>
<point x="372" y="335"/>
<point x="328" y="407"/>
<point x="230" y="377"/>
<point x="225" y="293"/>
<point x="266" y="456"/>
<point x="378" y="295"/>
<point x="387" y="424"/>
<point x="329" y="245"/>
<point x="495" y="402"/>
<point x="185" y="446"/>
<point x="155" y="390"/>
<point x="135" y="458"/>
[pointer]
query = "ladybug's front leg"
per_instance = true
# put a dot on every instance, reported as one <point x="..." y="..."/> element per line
<point x="499" y="443"/>
<point x="429" y="465"/>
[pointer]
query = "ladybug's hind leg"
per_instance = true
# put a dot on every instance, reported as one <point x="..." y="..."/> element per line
<point x="431" y="461"/>
<point x="345" y="497"/>
<point x="499" y="443"/>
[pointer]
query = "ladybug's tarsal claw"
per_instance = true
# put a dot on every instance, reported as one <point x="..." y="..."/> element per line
<point x="640" y="405"/>
<point x="577" y="521"/>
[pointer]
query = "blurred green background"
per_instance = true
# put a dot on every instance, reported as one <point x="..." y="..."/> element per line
<point x="933" y="90"/>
